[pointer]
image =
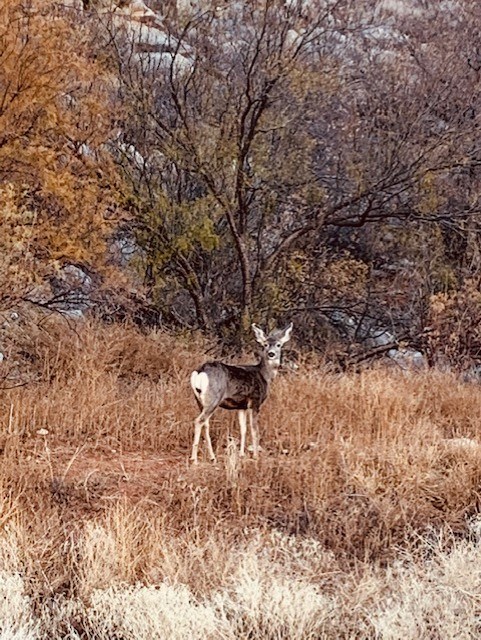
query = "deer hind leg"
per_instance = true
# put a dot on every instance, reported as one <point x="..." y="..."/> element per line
<point x="199" y="422"/>
<point x="197" y="431"/>
<point x="208" y="402"/>
<point x="243" y="430"/>
<point x="209" y="442"/>
<point x="254" y="432"/>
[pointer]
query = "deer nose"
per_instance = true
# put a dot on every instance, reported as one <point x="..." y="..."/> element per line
<point x="271" y="354"/>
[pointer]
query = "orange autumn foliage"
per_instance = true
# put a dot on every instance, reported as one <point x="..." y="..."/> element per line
<point x="56" y="114"/>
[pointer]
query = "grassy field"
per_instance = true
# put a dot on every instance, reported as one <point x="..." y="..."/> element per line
<point x="358" y="521"/>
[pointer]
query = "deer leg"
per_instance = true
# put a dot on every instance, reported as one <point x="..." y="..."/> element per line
<point x="197" y="431"/>
<point x="243" y="430"/>
<point x="209" y="442"/>
<point x="254" y="432"/>
<point x="198" y="424"/>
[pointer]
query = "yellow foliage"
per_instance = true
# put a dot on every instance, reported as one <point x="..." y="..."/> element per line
<point x="455" y="324"/>
<point x="55" y="116"/>
<point x="346" y="275"/>
<point x="17" y="234"/>
<point x="430" y="198"/>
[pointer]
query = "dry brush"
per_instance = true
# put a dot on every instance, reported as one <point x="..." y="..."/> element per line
<point x="366" y="492"/>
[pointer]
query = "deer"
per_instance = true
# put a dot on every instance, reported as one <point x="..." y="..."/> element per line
<point x="242" y="388"/>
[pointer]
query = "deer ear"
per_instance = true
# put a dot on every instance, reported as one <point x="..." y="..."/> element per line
<point x="285" y="337"/>
<point x="260" y="335"/>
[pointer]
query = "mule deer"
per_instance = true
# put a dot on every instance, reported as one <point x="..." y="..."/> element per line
<point x="242" y="388"/>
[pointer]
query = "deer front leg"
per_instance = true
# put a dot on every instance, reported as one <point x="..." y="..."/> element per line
<point x="243" y="431"/>
<point x="254" y="432"/>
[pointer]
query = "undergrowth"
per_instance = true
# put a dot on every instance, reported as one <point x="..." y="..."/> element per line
<point x="359" y="519"/>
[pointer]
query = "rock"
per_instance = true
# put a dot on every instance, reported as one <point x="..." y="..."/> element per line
<point x="71" y="289"/>
<point x="408" y="359"/>
<point x="473" y="374"/>
<point x="461" y="444"/>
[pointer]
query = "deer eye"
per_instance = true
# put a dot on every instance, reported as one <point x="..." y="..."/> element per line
<point x="278" y="345"/>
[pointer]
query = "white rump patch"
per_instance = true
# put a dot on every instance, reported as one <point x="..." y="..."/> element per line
<point x="199" y="383"/>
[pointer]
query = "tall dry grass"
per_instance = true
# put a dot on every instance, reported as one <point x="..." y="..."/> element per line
<point x="365" y="497"/>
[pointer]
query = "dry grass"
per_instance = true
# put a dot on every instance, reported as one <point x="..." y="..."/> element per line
<point x="365" y="498"/>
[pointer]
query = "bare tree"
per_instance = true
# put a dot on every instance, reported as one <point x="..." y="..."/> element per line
<point x="271" y="146"/>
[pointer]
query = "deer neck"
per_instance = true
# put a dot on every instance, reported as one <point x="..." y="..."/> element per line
<point x="268" y="369"/>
